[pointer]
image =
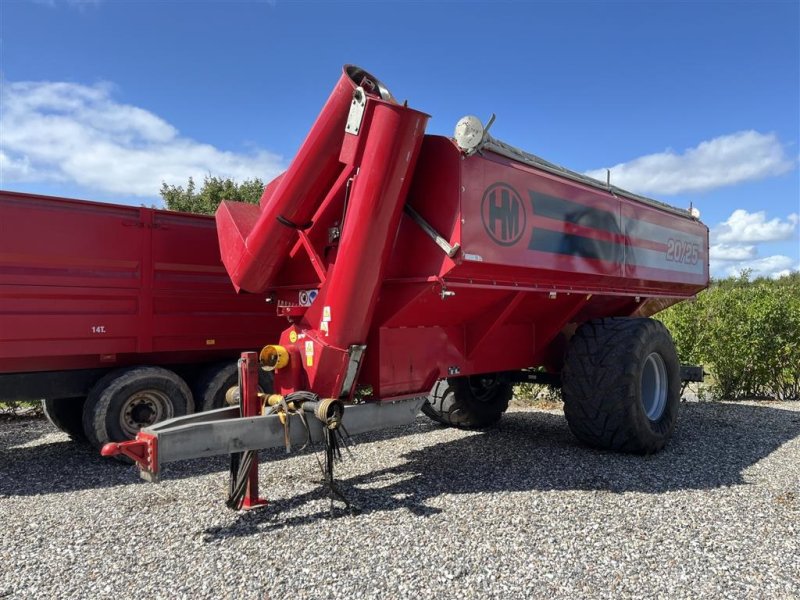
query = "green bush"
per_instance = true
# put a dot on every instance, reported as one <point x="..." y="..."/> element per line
<point x="746" y="333"/>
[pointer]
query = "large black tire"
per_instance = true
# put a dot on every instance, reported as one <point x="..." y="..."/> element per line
<point x="124" y="401"/>
<point x="66" y="414"/>
<point x="473" y="402"/>
<point x="216" y="387"/>
<point x="621" y="385"/>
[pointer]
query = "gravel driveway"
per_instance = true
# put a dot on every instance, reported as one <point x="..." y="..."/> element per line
<point x="521" y="511"/>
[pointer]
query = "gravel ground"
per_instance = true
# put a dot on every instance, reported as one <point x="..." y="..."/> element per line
<point x="521" y="511"/>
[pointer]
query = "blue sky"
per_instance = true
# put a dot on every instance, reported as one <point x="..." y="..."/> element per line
<point x="689" y="102"/>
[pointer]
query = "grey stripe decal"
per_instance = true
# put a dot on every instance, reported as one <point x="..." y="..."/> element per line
<point x="657" y="259"/>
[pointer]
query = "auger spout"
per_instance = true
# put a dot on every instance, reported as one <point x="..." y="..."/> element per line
<point x="253" y="241"/>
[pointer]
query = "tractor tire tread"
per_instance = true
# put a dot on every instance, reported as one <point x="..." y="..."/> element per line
<point x="220" y="376"/>
<point x="100" y="398"/>
<point x="66" y="415"/>
<point x="460" y="409"/>
<point x="601" y="384"/>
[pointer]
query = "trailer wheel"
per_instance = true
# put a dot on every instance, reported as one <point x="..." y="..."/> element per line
<point x="66" y="414"/>
<point x="126" y="400"/>
<point x="471" y="402"/>
<point x="218" y="386"/>
<point x="621" y="385"/>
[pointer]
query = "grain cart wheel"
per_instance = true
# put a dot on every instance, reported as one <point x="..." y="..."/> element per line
<point x="621" y="384"/>
<point x="126" y="400"/>
<point x="66" y="414"/>
<point x="468" y="402"/>
<point x="218" y="387"/>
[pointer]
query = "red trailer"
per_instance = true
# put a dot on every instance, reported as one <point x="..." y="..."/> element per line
<point x="401" y="258"/>
<point x="117" y="316"/>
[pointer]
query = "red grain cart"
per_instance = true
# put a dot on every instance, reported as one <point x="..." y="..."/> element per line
<point x="401" y="258"/>
<point x="117" y="316"/>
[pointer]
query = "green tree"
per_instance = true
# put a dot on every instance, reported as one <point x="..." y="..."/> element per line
<point x="214" y="190"/>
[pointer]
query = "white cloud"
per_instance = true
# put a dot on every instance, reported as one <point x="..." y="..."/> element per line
<point x="56" y="131"/>
<point x="743" y="227"/>
<point x="725" y="160"/>
<point x="726" y="252"/>
<point x="735" y="245"/>
<point x="14" y="169"/>
<point x="786" y="272"/>
<point x="769" y="266"/>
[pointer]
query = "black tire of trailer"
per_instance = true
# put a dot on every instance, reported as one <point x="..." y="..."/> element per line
<point x="621" y="385"/>
<point x="473" y="402"/>
<point x="216" y="387"/>
<point x="66" y="414"/>
<point x="125" y="400"/>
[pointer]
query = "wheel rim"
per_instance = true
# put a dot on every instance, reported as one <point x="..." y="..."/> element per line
<point x="654" y="386"/>
<point x="482" y="387"/>
<point x="144" y="408"/>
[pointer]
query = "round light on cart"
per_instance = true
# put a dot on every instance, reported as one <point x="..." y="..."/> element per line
<point x="469" y="133"/>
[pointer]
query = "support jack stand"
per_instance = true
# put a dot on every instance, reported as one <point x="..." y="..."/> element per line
<point x="244" y="495"/>
<point x="251" y="498"/>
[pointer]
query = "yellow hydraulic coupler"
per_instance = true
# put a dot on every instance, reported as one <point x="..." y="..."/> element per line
<point x="273" y="399"/>
<point x="273" y="357"/>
